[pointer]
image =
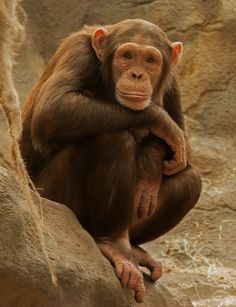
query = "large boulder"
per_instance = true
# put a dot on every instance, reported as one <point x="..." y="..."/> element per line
<point x="48" y="260"/>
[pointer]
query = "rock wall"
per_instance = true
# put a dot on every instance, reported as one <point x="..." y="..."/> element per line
<point x="207" y="76"/>
<point x="46" y="258"/>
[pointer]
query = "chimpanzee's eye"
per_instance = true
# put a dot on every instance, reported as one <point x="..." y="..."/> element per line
<point x="150" y="59"/>
<point x="127" y="55"/>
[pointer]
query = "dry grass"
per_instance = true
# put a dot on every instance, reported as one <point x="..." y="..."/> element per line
<point x="186" y="256"/>
<point x="216" y="302"/>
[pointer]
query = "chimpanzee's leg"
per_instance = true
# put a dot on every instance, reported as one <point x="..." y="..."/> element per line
<point x="109" y="176"/>
<point x="96" y="179"/>
<point x="109" y="193"/>
<point x="177" y="195"/>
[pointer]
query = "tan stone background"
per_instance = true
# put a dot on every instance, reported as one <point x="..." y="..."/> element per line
<point x="199" y="255"/>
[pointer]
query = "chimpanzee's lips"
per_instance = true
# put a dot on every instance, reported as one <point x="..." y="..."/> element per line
<point x="133" y="95"/>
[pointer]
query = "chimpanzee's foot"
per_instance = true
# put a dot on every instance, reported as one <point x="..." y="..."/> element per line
<point x="119" y="253"/>
<point x="145" y="260"/>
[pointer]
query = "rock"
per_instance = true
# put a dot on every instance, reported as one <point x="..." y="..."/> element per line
<point x="32" y="241"/>
<point x="29" y="68"/>
<point x="207" y="75"/>
<point x="47" y="18"/>
<point x="46" y="258"/>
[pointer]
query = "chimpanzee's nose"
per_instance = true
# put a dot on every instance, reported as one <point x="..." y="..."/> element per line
<point x="137" y="75"/>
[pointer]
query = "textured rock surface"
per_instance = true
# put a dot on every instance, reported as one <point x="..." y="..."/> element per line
<point x="205" y="240"/>
<point x="84" y="276"/>
<point x="46" y="258"/>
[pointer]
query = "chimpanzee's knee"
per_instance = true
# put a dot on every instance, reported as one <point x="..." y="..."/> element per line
<point x="178" y="195"/>
<point x="191" y="188"/>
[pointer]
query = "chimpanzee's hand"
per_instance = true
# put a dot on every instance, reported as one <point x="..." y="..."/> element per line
<point x="145" y="199"/>
<point x="179" y="159"/>
<point x="176" y="140"/>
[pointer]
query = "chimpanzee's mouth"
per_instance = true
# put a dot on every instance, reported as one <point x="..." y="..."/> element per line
<point x="134" y="96"/>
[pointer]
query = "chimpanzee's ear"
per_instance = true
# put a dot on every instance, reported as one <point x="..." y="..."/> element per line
<point x="98" y="40"/>
<point x="177" y="48"/>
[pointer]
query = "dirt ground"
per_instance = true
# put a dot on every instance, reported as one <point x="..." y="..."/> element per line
<point x="199" y="255"/>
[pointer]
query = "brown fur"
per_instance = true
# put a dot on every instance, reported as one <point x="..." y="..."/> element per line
<point x="78" y="144"/>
